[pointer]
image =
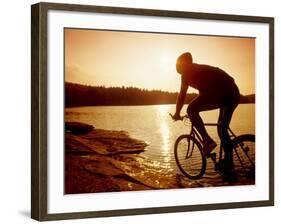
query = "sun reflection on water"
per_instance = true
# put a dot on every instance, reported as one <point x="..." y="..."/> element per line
<point x="164" y="130"/>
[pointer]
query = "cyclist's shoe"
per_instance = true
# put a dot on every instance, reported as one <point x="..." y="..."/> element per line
<point x="208" y="146"/>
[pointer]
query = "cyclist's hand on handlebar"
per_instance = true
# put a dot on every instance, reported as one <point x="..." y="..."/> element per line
<point x="176" y="117"/>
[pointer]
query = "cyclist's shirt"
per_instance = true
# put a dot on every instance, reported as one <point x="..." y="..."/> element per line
<point x="208" y="79"/>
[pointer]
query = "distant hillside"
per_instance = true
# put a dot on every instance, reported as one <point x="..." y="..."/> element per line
<point x="84" y="95"/>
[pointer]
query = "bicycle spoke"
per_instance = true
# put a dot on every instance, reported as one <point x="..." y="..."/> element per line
<point x="191" y="151"/>
<point x="189" y="157"/>
<point x="247" y="153"/>
<point x="235" y="150"/>
<point x="188" y="148"/>
<point x="244" y="148"/>
<point x="192" y="162"/>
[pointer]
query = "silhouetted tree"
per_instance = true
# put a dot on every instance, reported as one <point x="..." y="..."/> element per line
<point x="84" y="95"/>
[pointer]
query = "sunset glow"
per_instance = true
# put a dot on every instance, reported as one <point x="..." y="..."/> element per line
<point x="123" y="111"/>
<point x="147" y="60"/>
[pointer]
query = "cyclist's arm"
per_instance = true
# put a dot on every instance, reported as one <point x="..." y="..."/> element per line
<point x="181" y="98"/>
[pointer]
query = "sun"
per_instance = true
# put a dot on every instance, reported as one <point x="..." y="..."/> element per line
<point x="166" y="61"/>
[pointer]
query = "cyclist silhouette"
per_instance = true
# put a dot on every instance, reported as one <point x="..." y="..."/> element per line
<point x="216" y="90"/>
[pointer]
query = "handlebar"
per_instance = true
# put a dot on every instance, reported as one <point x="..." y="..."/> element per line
<point x="181" y="117"/>
<point x="186" y="119"/>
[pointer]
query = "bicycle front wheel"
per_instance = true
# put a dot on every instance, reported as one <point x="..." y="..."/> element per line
<point x="244" y="154"/>
<point x="189" y="157"/>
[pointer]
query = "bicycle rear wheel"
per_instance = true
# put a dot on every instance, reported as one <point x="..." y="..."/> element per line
<point x="189" y="157"/>
<point x="244" y="154"/>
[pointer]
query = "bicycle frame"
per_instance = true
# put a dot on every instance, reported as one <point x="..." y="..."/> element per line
<point x="194" y="133"/>
<point x="237" y="143"/>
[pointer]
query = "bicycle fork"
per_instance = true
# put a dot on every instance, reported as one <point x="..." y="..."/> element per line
<point x="190" y="147"/>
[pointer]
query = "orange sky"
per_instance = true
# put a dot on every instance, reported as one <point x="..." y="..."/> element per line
<point x="147" y="60"/>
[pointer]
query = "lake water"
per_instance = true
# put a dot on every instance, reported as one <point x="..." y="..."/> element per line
<point x="153" y="125"/>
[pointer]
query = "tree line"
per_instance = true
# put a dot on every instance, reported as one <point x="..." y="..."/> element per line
<point x="84" y="95"/>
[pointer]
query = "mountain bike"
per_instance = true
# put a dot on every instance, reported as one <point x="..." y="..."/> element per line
<point x="192" y="162"/>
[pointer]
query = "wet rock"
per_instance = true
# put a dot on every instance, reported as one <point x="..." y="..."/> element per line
<point x="78" y="180"/>
<point x="103" y="142"/>
<point x="102" y="165"/>
<point x="147" y="172"/>
<point x="92" y="165"/>
<point x="78" y="128"/>
<point x="109" y="161"/>
<point x="135" y="170"/>
<point x="75" y="145"/>
<point x="114" y="157"/>
<point x="213" y="181"/>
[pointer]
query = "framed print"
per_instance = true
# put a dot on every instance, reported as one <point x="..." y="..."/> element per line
<point x="141" y="111"/>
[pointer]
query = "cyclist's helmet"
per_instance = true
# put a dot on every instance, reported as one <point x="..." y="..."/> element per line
<point x="184" y="61"/>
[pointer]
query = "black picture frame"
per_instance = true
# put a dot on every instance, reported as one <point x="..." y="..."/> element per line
<point x="39" y="106"/>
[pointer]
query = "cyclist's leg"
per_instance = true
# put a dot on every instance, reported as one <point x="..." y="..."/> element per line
<point x="202" y="103"/>
<point x="223" y="124"/>
<point x="225" y="116"/>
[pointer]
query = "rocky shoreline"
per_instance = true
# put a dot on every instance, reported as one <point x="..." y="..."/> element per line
<point x="98" y="160"/>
